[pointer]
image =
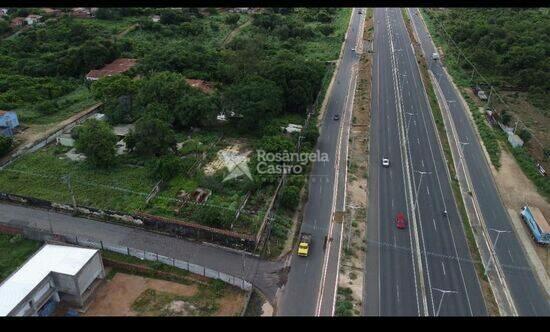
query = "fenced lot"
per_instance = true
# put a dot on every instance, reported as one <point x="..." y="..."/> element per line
<point x="41" y="235"/>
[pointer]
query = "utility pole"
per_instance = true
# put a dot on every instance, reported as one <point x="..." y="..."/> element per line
<point x="67" y="179"/>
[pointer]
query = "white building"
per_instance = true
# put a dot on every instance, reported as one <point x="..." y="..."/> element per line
<point x="32" y="19"/>
<point x="55" y="273"/>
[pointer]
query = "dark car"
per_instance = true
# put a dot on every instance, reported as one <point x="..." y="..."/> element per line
<point x="400" y="221"/>
<point x="336" y="117"/>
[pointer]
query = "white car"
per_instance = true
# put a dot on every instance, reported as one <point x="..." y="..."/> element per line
<point x="385" y="162"/>
<point x="353" y="49"/>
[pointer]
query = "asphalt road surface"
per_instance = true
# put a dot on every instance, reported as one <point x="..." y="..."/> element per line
<point x="311" y="286"/>
<point x="529" y="296"/>
<point x="425" y="269"/>
<point x="263" y="274"/>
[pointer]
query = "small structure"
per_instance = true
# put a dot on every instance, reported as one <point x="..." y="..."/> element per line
<point x="73" y="155"/>
<point x="81" y="12"/>
<point x="292" y="128"/>
<point x="155" y="18"/>
<point x="8" y="122"/>
<point x="222" y="116"/>
<point x="239" y="10"/>
<point x="55" y="273"/>
<point x="513" y="139"/>
<point x="65" y="140"/>
<point x="116" y="67"/>
<point x="123" y="130"/>
<point x="100" y="117"/>
<point x="201" y="195"/>
<point x="32" y="19"/>
<point x="204" y="86"/>
<point x="541" y="169"/>
<point x="17" y="22"/>
<point x="51" y="11"/>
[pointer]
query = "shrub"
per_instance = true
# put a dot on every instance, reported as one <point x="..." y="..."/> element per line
<point x="5" y="145"/>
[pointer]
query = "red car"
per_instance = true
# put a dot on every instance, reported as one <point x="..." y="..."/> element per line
<point x="400" y="222"/>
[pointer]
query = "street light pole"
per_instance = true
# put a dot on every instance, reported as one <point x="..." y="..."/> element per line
<point x="418" y="189"/>
<point x="495" y="246"/>
<point x="443" y="292"/>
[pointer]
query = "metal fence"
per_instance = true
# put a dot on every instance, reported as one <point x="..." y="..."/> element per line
<point x="43" y="235"/>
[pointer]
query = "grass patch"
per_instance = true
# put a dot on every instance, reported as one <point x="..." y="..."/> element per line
<point x="15" y="251"/>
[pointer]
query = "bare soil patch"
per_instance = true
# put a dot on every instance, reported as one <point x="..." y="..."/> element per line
<point x="121" y="295"/>
<point x="516" y="190"/>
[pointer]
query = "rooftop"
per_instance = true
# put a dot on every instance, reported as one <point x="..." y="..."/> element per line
<point x="116" y="67"/>
<point x="51" y="258"/>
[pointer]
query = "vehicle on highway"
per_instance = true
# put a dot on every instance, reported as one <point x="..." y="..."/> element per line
<point x="353" y="49"/>
<point x="304" y="244"/>
<point x="385" y="162"/>
<point x="400" y="221"/>
<point x="336" y="117"/>
<point x="537" y="223"/>
<point x="435" y="56"/>
<point x="360" y="12"/>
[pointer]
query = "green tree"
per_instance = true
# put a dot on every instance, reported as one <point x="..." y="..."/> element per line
<point x="151" y="137"/>
<point x="290" y="197"/>
<point x="166" y="167"/>
<point x="6" y="144"/>
<point x="195" y="109"/>
<point x="98" y="142"/>
<point x="256" y="99"/>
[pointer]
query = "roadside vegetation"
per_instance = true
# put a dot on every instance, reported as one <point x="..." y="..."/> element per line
<point x="514" y="61"/>
<point x="267" y="76"/>
<point x="15" y="251"/>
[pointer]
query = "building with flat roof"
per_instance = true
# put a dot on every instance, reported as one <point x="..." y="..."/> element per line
<point x="54" y="273"/>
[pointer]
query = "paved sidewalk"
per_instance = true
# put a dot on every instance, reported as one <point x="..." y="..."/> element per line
<point x="262" y="274"/>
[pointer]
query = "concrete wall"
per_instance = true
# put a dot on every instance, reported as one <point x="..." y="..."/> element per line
<point x="90" y="272"/>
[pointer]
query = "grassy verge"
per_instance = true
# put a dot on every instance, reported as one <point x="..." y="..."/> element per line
<point x="15" y="250"/>
<point x="344" y="302"/>
<point x="440" y="125"/>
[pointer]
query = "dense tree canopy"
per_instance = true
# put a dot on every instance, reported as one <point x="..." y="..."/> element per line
<point x="510" y="45"/>
<point x="97" y="141"/>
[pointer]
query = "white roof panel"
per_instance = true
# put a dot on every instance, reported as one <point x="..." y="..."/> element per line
<point x="51" y="258"/>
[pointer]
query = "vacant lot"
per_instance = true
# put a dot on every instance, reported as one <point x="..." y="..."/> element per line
<point x="132" y="295"/>
<point x="14" y="251"/>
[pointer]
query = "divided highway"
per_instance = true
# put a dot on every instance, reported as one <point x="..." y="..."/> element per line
<point x="530" y="299"/>
<point x="311" y="286"/>
<point x="425" y="270"/>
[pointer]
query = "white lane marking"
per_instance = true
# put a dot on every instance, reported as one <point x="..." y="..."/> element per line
<point x="435" y="226"/>
<point x="418" y="140"/>
<point x="443" y="267"/>
<point x="428" y="190"/>
<point x="422" y="161"/>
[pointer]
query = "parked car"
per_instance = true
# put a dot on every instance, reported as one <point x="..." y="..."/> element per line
<point x="400" y="221"/>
